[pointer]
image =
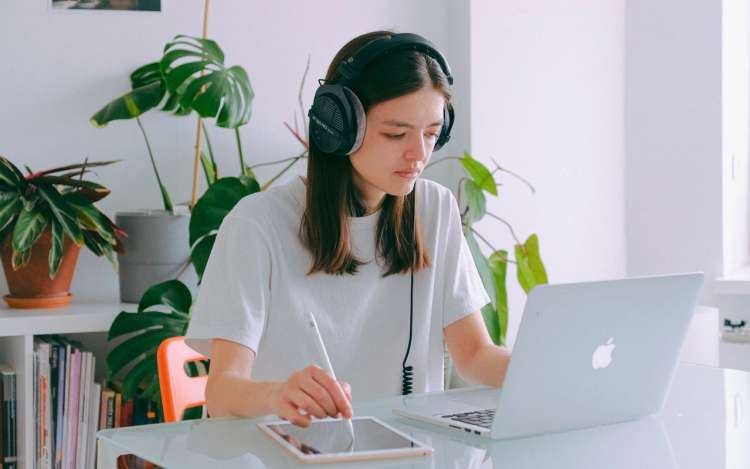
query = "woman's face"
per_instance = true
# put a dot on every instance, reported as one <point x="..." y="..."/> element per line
<point x="399" y="137"/>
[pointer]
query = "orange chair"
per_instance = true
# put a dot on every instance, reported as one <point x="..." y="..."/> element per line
<point x="178" y="390"/>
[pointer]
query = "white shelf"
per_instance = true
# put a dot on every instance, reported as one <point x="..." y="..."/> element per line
<point x="78" y="316"/>
<point x="17" y="330"/>
<point x="736" y="283"/>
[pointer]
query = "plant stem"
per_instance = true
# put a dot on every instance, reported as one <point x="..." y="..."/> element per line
<point x="533" y="191"/>
<point x="210" y="150"/>
<point x="490" y="245"/>
<point x="164" y="194"/>
<point x="243" y="168"/>
<point x="506" y="224"/>
<point x="296" y="158"/>
<point x="446" y="158"/>
<point x="275" y="162"/>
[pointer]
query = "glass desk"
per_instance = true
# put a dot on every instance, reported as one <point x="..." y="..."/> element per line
<point x="705" y="423"/>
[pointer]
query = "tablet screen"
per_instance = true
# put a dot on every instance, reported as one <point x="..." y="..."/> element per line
<point x="332" y="436"/>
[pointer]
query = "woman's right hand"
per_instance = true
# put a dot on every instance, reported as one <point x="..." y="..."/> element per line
<point x="315" y="392"/>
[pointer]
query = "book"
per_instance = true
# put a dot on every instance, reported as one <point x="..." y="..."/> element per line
<point x="96" y="393"/>
<point x="42" y="351"/>
<point x="107" y="418"/>
<point x="72" y="417"/>
<point x="60" y="404"/>
<point x="9" y="413"/>
<point x="118" y="410"/>
<point x="83" y="409"/>
<point x="64" y="462"/>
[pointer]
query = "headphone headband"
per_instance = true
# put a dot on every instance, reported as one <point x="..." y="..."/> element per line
<point x="353" y="65"/>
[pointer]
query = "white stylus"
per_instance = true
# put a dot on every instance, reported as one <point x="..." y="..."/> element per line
<point x="327" y="362"/>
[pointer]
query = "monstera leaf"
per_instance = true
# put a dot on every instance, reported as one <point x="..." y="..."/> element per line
<point x="194" y="69"/>
<point x="210" y="211"/>
<point x="163" y="312"/>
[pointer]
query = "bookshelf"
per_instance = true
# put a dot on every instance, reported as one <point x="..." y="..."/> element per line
<point x="85" y="321"/>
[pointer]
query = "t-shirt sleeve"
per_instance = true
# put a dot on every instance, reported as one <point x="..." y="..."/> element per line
<point x="464" y="292"/>
<point x="233" y="297"/>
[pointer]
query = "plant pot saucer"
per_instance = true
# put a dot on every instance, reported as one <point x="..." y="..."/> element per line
<point x="38" y="303"/>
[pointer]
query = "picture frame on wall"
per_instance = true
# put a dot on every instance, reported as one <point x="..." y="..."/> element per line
<point x="121" y="5"/>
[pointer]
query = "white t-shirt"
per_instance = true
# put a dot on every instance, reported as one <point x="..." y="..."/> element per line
<point x="256" y="292"/>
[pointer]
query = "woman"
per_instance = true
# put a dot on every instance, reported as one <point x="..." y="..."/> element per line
<point x="343" y="244"/>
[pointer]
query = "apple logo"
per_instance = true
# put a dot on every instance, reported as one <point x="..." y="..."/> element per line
<point x="603" y="355"/>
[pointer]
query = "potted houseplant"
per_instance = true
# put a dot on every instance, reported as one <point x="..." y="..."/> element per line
<point x="191" y="76"/>
<point x="45" y="217"/>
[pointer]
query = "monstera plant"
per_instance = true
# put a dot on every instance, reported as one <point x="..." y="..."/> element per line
<point x="191" y="76"/>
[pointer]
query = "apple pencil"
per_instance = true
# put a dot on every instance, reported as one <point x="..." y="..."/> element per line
<point x="327" y="362"/>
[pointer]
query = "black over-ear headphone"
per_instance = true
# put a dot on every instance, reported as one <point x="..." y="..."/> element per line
<point x="337" y="117"/>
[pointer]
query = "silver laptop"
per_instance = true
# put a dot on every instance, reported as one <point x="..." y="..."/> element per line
<point x="586" y="354"/>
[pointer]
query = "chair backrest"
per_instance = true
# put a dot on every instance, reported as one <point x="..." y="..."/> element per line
<point x="178" y="390"/>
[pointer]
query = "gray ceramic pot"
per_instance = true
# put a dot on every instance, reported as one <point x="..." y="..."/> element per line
<point x="156" y="249"/>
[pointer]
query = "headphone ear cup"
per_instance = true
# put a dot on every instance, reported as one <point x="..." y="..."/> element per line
<point x="445" y="130"/>
<point x="360" y="120"/>
<point x="333" y="122"/>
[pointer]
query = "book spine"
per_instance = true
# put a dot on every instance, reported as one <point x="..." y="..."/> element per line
<point x="82" y="410"/>
<point x="96" y="393"/>
<point x="72" y="429"/>
<point x="54" y="364"/>
<point x="60" y="419"/>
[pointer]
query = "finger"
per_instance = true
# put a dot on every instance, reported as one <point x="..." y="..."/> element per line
<point x="334" y="389"/>
<point x="303" y="401"/>
<point x="320" y="395"/>
<point x="347" y="389"/>
<point x="291" y="414"/>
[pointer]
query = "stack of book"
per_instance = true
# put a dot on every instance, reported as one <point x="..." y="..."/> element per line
<point x="66" y="405"/>
<point x="70" y="406"/>
<point x="8" y="435"/>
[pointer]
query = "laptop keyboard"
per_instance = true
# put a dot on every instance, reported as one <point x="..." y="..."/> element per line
<point x="480" y="418"/>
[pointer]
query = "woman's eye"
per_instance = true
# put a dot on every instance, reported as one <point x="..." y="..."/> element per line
<point x="394" y="136"/>
<point x="432" y="135"/>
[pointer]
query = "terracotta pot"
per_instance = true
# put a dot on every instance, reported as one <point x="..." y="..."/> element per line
<point x="30" y="286"/>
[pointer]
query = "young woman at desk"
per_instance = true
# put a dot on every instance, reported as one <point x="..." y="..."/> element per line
<point x="375" y="253"/>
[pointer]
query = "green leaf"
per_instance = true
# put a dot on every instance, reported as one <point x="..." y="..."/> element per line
<point x="482" y="266"/>
<point x="130" y="105"/>
<point x="69" y="167"/>
<point x="479" y="173"/>
<point x="9" y="174"/>
<point x="194" y="68"/>
<point x="56" y="250"/>
<point x="29" y="227"/>
<point x="10" y="205"/>
<point x="136" y="346"/>
<point x="90" y="217"/>
<point x="144" y="370"/>
<point x="498" y="263"/>
<point x="20" y="258"/>
<point x="477" y="201"/>
<point x="209" y="212"/>
<point x="530" y="269"/>
<point x="491" y="323"/>
<point x="200" y="253"/>
<point x="172" y="293"/>
<point x="127" y="322"/>
<point x="63" y="213"/>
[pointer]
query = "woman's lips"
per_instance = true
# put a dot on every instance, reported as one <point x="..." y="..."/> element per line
<point x="408" y="174"/>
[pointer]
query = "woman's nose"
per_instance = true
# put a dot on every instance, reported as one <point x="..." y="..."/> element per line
<point x="418" y="149"/>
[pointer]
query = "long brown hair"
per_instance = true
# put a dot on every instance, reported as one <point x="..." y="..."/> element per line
<point x="331" y="195"/>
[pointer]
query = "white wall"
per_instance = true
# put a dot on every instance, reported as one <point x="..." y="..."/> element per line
<point x="673" y="138"/>
<point x="59" y="67"/>
<point x="547" y="102"/>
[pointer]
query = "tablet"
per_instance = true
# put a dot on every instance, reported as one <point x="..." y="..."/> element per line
<point x="328" y="440"/>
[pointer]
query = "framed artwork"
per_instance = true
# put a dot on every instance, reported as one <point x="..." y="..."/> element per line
<point x="131" y="5"/>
